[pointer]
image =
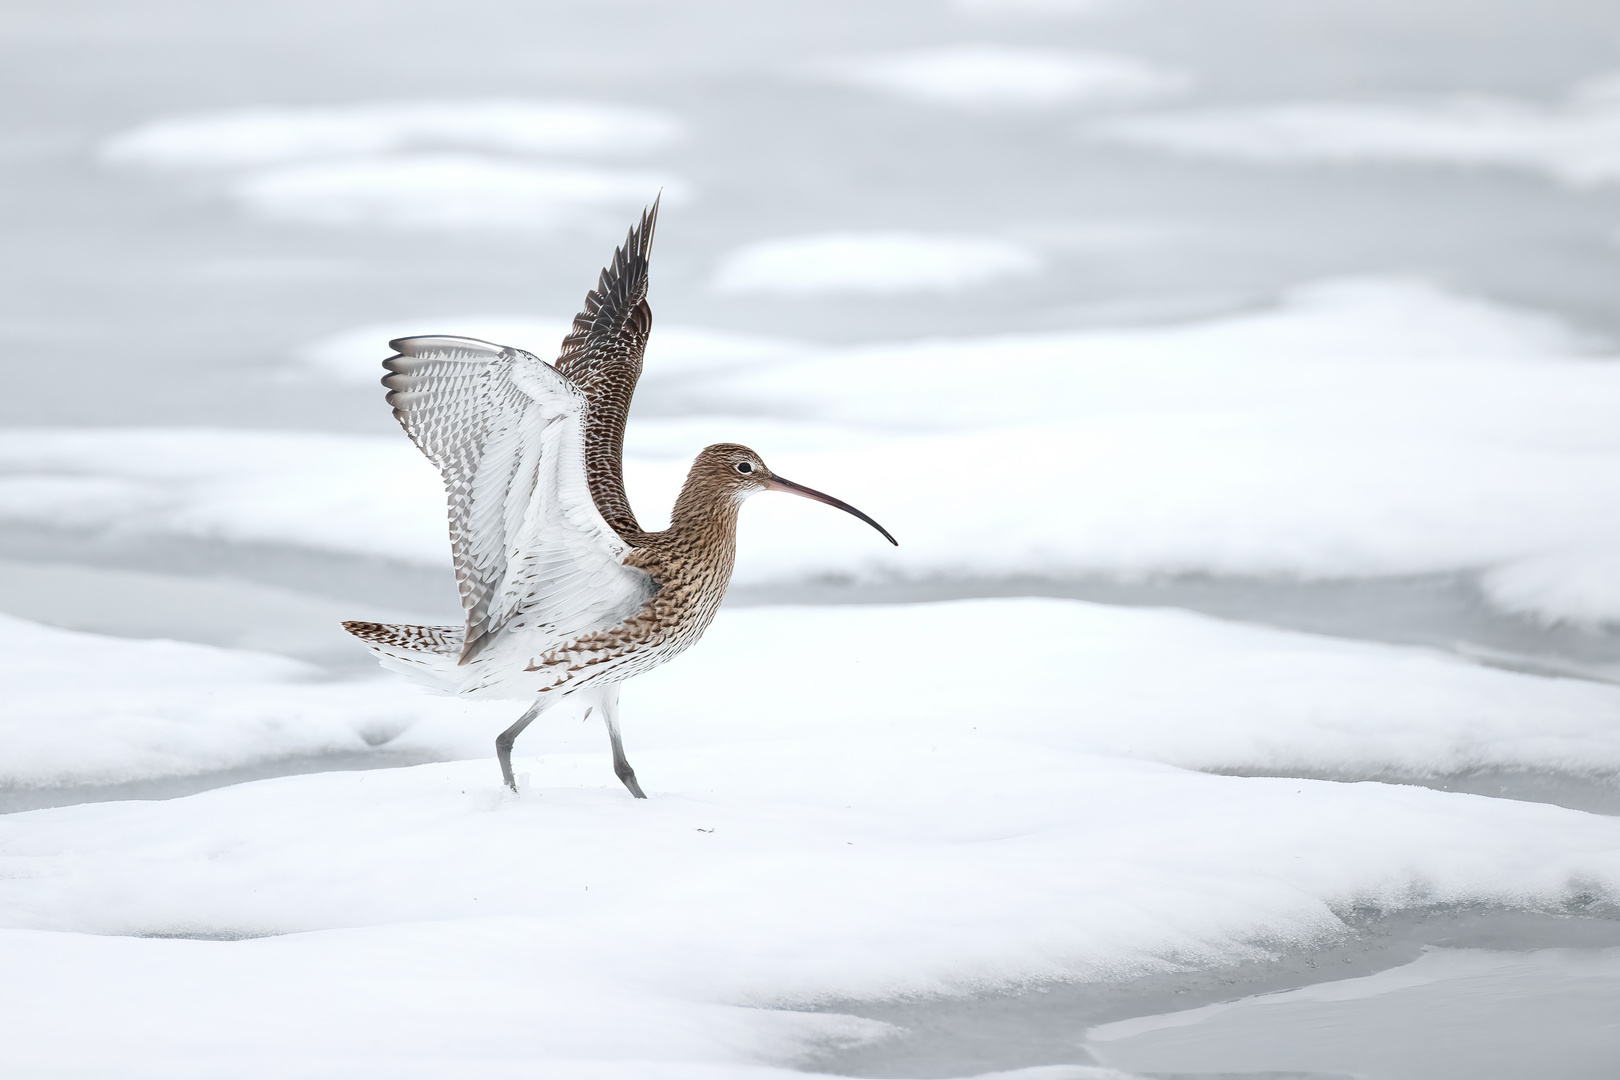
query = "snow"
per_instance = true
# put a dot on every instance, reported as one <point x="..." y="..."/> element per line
<point x="980" y="76"/>
<point x="447" y="191"/>
<point x="271" y="135"/>
<point x="419" y="914"/>
<point x="92" y="709"/>
<point x="358" y="494"/>
<point x="1244" y="698"/>
<point x="87" y="709"/>
<point x="1358" y="428"/>
<point x="1576" y="141"/>
<point x="873" y="262"/>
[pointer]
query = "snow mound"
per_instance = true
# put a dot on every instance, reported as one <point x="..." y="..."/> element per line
<point x="1576" y="141"/>
<point x="420" y="912"/>
<point x="874" y="262"/>
<point x="976" y="76"/>
<point x="907" y="821"/>
<point x="273" y="136"/>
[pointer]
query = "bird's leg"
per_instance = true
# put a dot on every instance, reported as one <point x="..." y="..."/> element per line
<point x="504" y="741"/>
<point x="621" y="767"/>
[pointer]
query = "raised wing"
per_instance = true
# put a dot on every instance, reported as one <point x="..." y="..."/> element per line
<point x="530" y="547"/>
<point x="602" y="356"/>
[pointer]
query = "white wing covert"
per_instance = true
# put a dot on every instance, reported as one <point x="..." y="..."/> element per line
<point x="505" y="429"/>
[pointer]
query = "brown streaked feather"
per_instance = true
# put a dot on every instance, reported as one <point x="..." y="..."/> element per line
<point x="435" y="639"/>
<point x="602" y="356"/>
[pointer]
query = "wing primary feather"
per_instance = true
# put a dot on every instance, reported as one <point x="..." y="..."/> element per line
<point x="602" y="355"/>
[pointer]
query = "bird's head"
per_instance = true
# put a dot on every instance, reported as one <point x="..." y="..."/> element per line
<point x="730" y="471"/>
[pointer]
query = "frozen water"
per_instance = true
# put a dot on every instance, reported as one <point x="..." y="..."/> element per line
<point x="871" y="263"/>
<point x="988" y="75"/>
<point x="416" y="165"/>
<point x="1453" y="1014"/>
<point x="447" y="191"/>
<point x="939" y="1037"/>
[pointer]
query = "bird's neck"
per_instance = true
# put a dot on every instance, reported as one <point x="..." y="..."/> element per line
<point x="701" y="514"/>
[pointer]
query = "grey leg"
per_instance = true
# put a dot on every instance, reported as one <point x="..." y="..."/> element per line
<point x="621" y="767"/>
<point x="504" y="741"/>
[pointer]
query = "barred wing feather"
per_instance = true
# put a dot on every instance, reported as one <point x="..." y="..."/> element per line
<point x="531" y="549"/>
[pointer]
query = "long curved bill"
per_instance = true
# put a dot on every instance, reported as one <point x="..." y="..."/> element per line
<point x="776" y="483"/>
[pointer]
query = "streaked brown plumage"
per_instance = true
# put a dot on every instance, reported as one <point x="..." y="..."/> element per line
<point x="564" y="593"/>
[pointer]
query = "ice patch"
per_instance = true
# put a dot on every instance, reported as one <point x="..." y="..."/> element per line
<point x="1386" y="1024"/>
<point x="975" y="76"/>
<point x="1576" y="141"/>
<point x="264" y="136"/>
<point x="874" y="262"/>
<point x="445" y="191"/>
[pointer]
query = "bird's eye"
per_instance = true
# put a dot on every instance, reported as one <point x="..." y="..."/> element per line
<point x="744" y="467"/>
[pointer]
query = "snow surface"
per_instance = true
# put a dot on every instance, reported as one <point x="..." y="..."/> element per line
<point x="87" y="709"/>
<point x="1576" y="141"/>
<point x="1360" y="428"/>
<point x="976" y="76"/>
<point x="279" y="135"/>
<point x="871" y="262"/>
<point x="1090" y="680"/>
<point x="422" y="917"/>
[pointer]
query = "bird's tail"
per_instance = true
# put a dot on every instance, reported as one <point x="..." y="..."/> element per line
<point x="423" y="654"/>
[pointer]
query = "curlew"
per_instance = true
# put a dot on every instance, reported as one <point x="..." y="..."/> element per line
<point x="565" y="595"/>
